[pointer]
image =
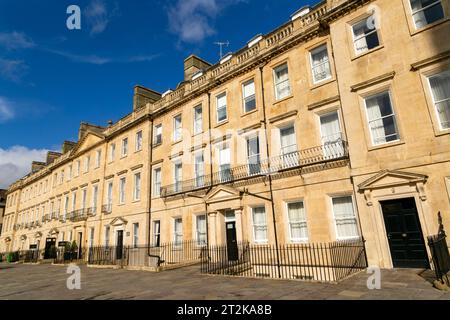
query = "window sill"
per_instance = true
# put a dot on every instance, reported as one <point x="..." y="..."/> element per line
<point x="221" y="124"/>
<point x="123" y="157"/>
<point x="367" y="52"/>
<point x="156" y="145"/>
<point x="136" y="201"/>
<point x="386" y="145"/>
<point x="249" y="113"/>
<point x="322" y="83"/>
<point x="283" y="100"/>
<point x="440" y="132"/>
<point x="137" y="151"/>
<point x="430" y="26"/>
<point x="177" y="142"/>
<point x="197" y="134"/>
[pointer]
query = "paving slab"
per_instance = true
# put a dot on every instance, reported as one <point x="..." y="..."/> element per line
<point x="47" y="282"/>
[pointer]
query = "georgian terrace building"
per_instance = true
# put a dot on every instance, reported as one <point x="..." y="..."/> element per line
<point x="334" y="126"/>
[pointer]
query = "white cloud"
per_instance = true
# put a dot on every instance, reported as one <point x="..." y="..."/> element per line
<point x="98" y="16"/>
<point x="12" y="70"/>
<point x="193" y="20"/>
<point x="6" y="110"/>
<point x="15" y="163"/>
<point x="15" y="40"/>
<point x="98" y="60"/>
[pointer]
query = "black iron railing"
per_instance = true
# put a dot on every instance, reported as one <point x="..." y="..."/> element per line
<point x="107" y="208"/>
<point x="166" y="255"/>
<point x="73" y="255"/>
<point x="327" y="262"/>
<point x="440" y="253"/>
<point x="322" y="154"/>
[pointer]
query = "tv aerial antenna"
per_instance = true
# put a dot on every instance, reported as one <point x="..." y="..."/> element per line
<point x="221" y="45"/>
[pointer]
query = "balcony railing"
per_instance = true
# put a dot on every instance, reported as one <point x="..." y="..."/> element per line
<point x="329" y="152"/>
<point x="80" y="215"/>
<point x="107" y="208"/>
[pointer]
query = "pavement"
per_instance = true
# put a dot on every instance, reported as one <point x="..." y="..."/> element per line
<point x="48" y="282"/>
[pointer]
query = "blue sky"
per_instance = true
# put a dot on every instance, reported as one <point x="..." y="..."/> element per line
<point x="52" y="78"/>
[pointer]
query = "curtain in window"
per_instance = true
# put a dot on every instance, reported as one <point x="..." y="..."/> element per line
<point x="224" y="162"/>
<point x="426" y="12"/>
<point x="259" y="224"/>
<point x="289" y="147"/>
<point x="222" y="108"/>
<point x="331" y="135"/>
<point x="201" y="230"/>
<point x="321" y="65"/>
<point x="253" y="155"/>
<point x="178" y="231"/>
<point x="199" y="170"/>
<point x="418" y="16"/>
<point x="359" y="31"/>
<point x="297" y="221"/>
<point x="381" y="119"/>
<point x="282" y="81"/>
<point x="346" y="224"/>
<point x="440" y="88"/>
<point x="198" y="126"/>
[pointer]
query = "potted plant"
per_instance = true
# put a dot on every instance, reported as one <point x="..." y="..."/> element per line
<point x="74" y="250"/>
<point x="67" y="251"/>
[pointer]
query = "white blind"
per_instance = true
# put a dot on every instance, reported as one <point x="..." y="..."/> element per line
<point x="249" y="89"/>
<point x="345" y="219"/>
<point x="297" y="221"/>
<point x="224" y="155"/>
<point x="440" y="88"/>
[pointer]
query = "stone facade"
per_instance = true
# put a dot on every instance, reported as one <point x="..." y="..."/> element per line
<point x="307" y="161"/>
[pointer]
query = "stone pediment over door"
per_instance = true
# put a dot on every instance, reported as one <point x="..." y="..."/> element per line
<point x="392" y="178"/>
<point x="90" y="139"/>
<point x="117" y="222"/>
<point x="53" y="232"/>
<point x="222" y="193"/>
<point x="223" y="197"/>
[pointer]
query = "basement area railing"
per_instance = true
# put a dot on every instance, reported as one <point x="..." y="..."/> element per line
<point x="174" y="254"/>
<point x="440" y="257"/>
<point x="325" y="262"/>
<point x="328" y="152"/>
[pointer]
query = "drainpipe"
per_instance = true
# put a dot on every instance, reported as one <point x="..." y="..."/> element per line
<point x="261" y="70"/>
<point x="150" y="192"/>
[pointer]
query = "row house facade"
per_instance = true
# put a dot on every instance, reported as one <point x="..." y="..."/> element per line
<point x="335" y="126"/>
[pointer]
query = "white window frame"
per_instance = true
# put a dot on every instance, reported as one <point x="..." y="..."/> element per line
<point x="155" y="222"/>
<point x="276" y="82"/>
<point x="112" y="151"/>
<point x="198" y="234"/>
<point x="122" y="187"/>
<point x="135" y="235"/>
<point x="94" y="198"/>
<point x="198" y="127"/>
<point x="98" y="156"/>
<point x="219" y="96"/>
<point x="291" y="239"/>
<point x="137" y="186"/>
<point x="441" y="128"/>
<point x="175" y="234"/>
<point x="245" y="99"/>
<point x="311" y="54"/>
<point x="265" y="241"/>
<point x="124" y="151"/>
<point x="338" y="238"/>
<point x="177" y="131"/>
<point x="199" y="179"/>
<point x="107" y="235"/>
<point x="156" y="190"/>
<point x="423" y="9"/>
<point x="155" y="134"/>
<point x="367" y="97"/>
<point x="375" y="30"/>
<point x="139" y="141"/>
<point x="175" y="181"/>
<point x="87" y="163"/>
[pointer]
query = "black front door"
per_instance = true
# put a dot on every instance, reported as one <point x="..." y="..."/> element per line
<point x="404" y="234"/>
<point x="232" y="247"/>
<point x="119" y="245"/>
<point x="49" y="252"/>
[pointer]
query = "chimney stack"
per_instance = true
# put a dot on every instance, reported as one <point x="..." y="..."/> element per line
<point x="36" y="166"/>
<point x="143" y="95"/>
<point x="52" y="156"/>
<point x="192" y="65"/>
<point x="67" y="146"/>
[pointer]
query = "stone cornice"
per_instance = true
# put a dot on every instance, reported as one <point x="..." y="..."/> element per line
<point x="426" y="62"/>
<point x="373" y="81"/>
